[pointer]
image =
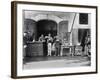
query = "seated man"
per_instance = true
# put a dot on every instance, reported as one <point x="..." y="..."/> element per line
<point x="41" y="38"/>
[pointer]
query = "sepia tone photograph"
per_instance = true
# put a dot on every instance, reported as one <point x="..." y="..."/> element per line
<point x="56" y="39"/>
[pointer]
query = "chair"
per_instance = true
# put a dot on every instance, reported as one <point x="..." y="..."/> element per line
<point x="78" y="50"/>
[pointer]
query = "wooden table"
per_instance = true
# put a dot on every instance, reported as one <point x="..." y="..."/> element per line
<point x="70" y="47"/>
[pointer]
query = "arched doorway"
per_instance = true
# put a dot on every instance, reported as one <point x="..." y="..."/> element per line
<point x="29" y="33"/>
<point x="45" y="27"/>
<point x="30" y="28"/>
<point x="63" y="30"/>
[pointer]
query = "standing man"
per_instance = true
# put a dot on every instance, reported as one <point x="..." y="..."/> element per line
<point x="49" y="42"/>
<point x="58" y="46"/>
<point x="25" y="39"/>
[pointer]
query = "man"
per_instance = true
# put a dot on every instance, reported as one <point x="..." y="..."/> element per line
<point x="41" y="38"/>
<point x="25" y="39"/>
<point x="58" y="46"/>
<point x="88" y="46"/>
<point x="49" y="42"/>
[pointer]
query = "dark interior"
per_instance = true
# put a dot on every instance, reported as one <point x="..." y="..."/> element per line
<point x="45" y="27"/>
<point x="83" y="18"/>
<point x="30" y="29"/>
<point x="82" y="33"/>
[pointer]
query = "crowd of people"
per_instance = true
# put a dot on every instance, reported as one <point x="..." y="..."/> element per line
<point x="52" y="45"/>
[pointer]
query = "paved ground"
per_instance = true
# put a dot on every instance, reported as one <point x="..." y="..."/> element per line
<point x="56" y="62"/>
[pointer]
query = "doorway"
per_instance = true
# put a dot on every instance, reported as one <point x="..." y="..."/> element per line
<point x="45" y="27"/>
